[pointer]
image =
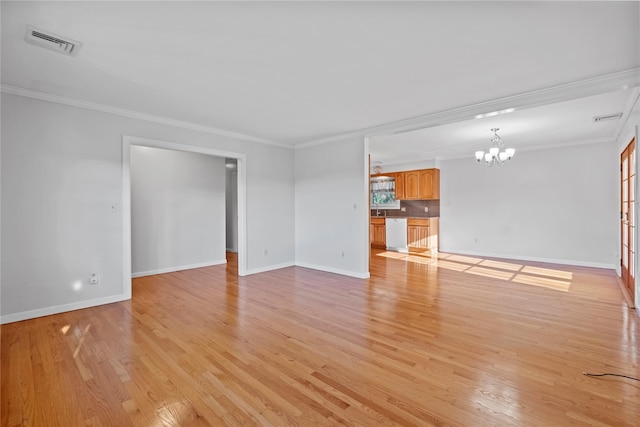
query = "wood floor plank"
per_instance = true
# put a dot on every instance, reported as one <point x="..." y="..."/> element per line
<point x="448" y="340"/>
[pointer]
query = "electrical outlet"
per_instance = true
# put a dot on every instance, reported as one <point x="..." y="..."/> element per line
<point x="403" y="209"/>
<point x="342" y="254"/>
<point x="426" y="209"/>
<point x="94" y="279"/>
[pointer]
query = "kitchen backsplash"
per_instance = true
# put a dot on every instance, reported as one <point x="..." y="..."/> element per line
<point x="413" y="209"/>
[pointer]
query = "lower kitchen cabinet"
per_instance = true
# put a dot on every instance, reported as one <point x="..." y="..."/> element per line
<point x="377" y="233"/>
<point x="422" y="234"/>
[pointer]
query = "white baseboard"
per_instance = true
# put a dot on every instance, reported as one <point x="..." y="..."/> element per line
<point x="56" y="309"/>
<point x="268" y="268"/>
<point x="532" y="259"/>
<point x="334" y="270"/>
<point x="178" y="268"/>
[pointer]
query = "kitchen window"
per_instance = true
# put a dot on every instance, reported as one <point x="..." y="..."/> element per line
<point x="383" y="193"/>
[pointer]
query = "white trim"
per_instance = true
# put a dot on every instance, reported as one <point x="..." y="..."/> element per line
<point x="566" y="92"/>
<point x="178" y="268"/>
<point x="572" y="143"/>
<point x="626" y="113"/>
<point x="349" y="273"/>
<point x="366" y="214"/>
<point x="127" y="142"/>
<point x="269" y="268"/>
<point x="126" y="217"/>
<point x="582" y="88"/>
<point x="56" y="309"/>
<point x="531" y="259"/>
<point x="43" y="96"/>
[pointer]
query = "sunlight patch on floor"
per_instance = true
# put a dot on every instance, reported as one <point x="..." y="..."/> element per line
<point x="393" y="255"/>
<point x="464" y="259"/>
<point x="549" y="278"/>
<point x="558" y="274"/>
<point x="452" y="265"/>
<point x="419" y="259"/>
<point x="490" y="272"/>
<point x="501" y="265"/>
<point x="544" y="282"/>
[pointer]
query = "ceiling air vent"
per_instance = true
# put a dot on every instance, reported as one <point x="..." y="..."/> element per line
<point x="52" y="41"/>
<point x="614" y="116"/>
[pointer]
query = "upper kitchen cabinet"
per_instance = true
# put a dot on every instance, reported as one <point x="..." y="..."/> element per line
<point x="411" y="182"/>
<point x="400" y="185"/>
<point x="429" y="184"/>
<point x="421" y="184"/>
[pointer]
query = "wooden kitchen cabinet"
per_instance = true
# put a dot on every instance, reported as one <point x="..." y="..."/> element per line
<point x="411" y="185"/>
<point x="422" y="234"/>
<point x="399" y="185"/>
<point x="421" y="184"/>
<point x="429" y="184"/>
<point x="398" y="179"/>
<point x="378" y="233"/>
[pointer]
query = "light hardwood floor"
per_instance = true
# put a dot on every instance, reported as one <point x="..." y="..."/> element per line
<point x="456" y="341"/>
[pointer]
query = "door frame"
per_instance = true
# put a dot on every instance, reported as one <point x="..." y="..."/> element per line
<point x="127" y="142"/>
<point x="628" y="281"/>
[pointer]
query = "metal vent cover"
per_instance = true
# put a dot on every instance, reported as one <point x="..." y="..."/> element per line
<point x="613" y="116"/>
<point x="52" y="41"/>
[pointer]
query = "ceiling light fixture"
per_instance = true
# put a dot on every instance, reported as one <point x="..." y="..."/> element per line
<point x="496" y="154"/>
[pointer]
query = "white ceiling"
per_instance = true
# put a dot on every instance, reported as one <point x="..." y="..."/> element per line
<point x="302" y="72"/>
<point x="550" y="125"/>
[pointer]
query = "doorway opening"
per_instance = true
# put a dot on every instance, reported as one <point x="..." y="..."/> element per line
<point x="239" y="159"/>
<point x="231" y="205"/>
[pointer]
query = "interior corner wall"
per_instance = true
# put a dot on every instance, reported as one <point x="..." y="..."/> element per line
<point x="557" y="205"/>
<point x="177" y="210"/>
<point x="331" y="207"/>
<point x="62" y="173"/>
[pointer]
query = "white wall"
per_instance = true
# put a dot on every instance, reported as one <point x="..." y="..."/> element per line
<point x="559" y="205"/>
<point x="62" y="172"/>
<point x="177" y="210"/>
<point x="332" y="207"/>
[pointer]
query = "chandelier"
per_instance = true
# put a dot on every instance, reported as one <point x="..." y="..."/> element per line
<point x="496" y="154"/>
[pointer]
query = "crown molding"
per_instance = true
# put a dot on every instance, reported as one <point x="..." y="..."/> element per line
<point x="634" y="102"/>
<point x="43" y="96"/>
<point x="457" y="155"/>
<point x="579" y="89"/>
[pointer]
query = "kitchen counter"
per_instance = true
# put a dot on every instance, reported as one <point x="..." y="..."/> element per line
<point x="421" y="233"/>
